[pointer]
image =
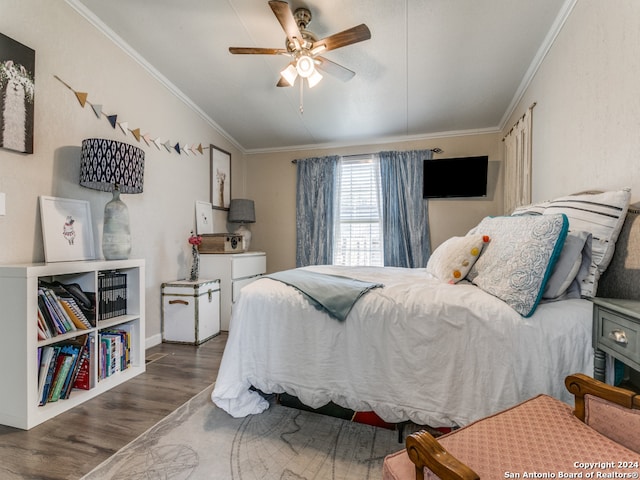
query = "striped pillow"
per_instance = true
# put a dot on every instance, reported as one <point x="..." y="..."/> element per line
<point x="602" y="214"/>
<point x="531" y="209"/>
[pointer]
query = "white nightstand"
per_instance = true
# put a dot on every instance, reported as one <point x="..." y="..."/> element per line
<point x="235" y="270"/>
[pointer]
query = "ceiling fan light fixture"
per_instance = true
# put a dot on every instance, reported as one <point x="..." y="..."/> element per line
<point x="319" y="49"/>
<point x="289" y="74"/>
<point x="305" y="66"/>
<point x="314" y="78"/>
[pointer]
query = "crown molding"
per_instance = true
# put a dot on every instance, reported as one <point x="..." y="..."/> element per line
<point x="124" y="46"/>
<point x="541" y="54"/>
<point x="376" y="141"/>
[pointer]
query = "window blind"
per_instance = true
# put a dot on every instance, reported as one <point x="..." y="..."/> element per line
<point x="358" y="229"/>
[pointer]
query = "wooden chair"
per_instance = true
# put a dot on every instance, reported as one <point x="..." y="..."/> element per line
<point x="541" y="435"/>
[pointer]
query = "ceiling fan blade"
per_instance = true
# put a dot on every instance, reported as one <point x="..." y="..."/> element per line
<point x="283" y="83"/>
<point x="286" y="19"/>
<point x="258" y="51"/>
<point x="332" y="68"/>
<point x="344" y="38"/>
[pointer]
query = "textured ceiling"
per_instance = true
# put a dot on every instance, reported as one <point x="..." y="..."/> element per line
<point x="432" y="67"/>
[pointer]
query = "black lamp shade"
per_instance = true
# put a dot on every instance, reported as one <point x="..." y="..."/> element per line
<point x="241" y="210"/>
<point x="106" y="163"/>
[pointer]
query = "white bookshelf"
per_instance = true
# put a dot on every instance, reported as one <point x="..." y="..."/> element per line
<point x="19" y="336"/>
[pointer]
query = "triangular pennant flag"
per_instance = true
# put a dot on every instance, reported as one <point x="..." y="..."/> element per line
<point x="177" y="148"/>
<point x="200" y="148"/>
<point x="82" y="97"/>
<point x="167" y="145"/>
<point x="124" y="126"/>
<point x="113" y="120"/>
<point x="97" y="109"/>
<point x="147" y="138"/>
<point x="157" y="142"/>
<point x="185" y="149"/>
<point x="136" y="133"/>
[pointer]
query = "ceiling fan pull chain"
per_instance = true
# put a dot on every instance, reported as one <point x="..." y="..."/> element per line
<point x="301" y="96"/>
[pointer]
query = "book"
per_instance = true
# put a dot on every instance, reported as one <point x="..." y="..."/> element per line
<point x="46" y="314"/>
<point x="73" y="350"/>
<point x="77" y="309"/>
<point x="50" y="374"/>
<point x="83" y="344"/>
<point x="64" y="362"/>
<point x="83" y="375"/>
<point x="46" y="355"/>
<point x="77" y="321"/>
<point x="107" y="347"/>
<point x="117" y="351"/>
<point x="43" y="332"/>
<point x="123" y="339"/>
<point x="59" y="311"/>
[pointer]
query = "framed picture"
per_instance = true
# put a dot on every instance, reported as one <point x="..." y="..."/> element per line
<point x="204" y="218"/>
<point x="220" y="178"/>
<point x="66" y="229"/>
<point x="17" y="85"/>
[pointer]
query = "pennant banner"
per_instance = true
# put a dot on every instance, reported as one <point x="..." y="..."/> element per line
<point x="82" y="98"/>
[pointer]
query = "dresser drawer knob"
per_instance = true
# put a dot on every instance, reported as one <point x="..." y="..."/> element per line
<point x="619" y="336"/>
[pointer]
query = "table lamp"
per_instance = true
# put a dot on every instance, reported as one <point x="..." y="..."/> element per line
<point x="242" y="211"/>
<point x="117" y="167"/>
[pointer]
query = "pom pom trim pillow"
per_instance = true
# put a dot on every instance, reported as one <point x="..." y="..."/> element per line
<point x="517" y="263"/>
<point x="453" y="259"/>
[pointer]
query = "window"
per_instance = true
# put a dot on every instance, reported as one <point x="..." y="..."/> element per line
<point x="358" y="228"/>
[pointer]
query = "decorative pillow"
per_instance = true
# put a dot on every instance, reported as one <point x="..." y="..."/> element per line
<point x="601" y="214"/>
<point x="453" y="259"/>
<point x="516" y="264"/>
<point x="531" y="209"/>
<point x="572" y="265"/>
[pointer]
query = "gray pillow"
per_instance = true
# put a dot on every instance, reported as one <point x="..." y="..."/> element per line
<point x="573" y="263"/>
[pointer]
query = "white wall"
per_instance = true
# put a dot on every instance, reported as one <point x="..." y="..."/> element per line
<point x="271" y="183"/>
<point x="586" y="124"/>
<point x="162" y="217"/>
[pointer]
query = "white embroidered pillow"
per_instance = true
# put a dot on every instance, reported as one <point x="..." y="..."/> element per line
<point x="517" y="263"/>
<point x="453" y="259"/>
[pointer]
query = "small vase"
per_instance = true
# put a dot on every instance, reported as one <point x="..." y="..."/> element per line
<point x="195" y="263"/>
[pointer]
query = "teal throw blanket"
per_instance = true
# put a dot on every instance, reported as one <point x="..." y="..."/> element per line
<point x="332" y="293"/>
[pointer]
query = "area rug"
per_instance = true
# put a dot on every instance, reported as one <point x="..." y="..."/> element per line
<point x="200" y="441"/>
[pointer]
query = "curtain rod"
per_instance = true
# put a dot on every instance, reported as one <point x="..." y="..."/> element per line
<point x="519" y="120"/>
<point x="434" y="150"/>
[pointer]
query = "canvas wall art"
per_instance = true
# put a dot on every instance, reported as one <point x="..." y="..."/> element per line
<point x="220" y="178"/>
<point x="17" y="88"/>
<point x="66" y="229"/>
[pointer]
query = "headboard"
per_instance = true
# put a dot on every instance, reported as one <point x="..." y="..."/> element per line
<point x="622" y="277"/>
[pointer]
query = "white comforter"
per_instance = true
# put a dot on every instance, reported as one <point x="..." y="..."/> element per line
<point x="417" y="349"/>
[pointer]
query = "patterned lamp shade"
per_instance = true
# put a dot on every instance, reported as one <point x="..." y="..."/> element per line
<point x="106" y="163"/>
<point x="241" y="210"/>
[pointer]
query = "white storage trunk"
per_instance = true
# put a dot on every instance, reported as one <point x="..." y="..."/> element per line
<point x="190" y="311"/>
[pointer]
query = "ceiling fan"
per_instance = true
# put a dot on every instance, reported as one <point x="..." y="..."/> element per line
<point x="305" y="48"/>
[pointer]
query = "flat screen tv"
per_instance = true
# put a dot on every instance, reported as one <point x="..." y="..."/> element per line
<point x="455" y="177"/>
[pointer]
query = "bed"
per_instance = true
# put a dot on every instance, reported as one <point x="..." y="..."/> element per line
<point x="439" y="346"/>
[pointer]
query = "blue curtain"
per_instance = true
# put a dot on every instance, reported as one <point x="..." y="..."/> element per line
<point x="315" y="191"/>
<point x="405" y="213"/>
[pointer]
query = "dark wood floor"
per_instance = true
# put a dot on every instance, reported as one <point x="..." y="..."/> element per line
<point x="72" y="444"/>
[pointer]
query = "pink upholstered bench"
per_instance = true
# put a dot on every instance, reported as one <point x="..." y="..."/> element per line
<point x="539" y="436"/>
